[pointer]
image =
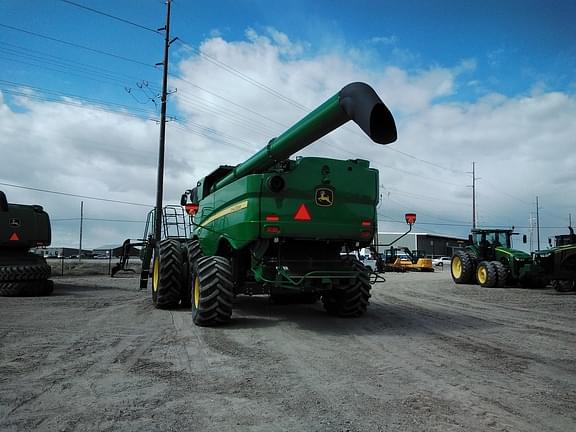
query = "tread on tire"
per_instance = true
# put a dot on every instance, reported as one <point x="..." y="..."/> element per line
<point x="167" y="283"/>
<point x="462" y="267"/>
<point x="213" y="291"/>
<point x="352" y="299"/>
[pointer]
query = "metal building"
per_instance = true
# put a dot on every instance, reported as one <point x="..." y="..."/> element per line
<point x="433" y="245"/>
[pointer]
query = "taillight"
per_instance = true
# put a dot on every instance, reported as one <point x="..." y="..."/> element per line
<point x="191" y="208"/>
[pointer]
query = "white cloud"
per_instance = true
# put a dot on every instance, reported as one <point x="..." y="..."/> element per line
<point x="522" y="146"/>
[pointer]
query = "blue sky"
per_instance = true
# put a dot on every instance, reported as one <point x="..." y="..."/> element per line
<point x="489" y="81"/>
<point x="515" y="44"/>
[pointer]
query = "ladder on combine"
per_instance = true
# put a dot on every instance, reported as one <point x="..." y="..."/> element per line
<point x="176" y="224"/>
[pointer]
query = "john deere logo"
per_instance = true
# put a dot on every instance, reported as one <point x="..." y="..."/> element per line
<point x="324" y="197"/>
<point x="15" y="223"/>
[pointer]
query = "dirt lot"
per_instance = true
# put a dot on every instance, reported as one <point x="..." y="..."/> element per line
<point x="428" y="356"/>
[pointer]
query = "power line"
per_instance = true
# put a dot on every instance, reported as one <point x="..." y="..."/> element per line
<point x="245" y="77"/>
<point x="462" y="224"/>
<point x="40" y="59"/>
<point x="229" y="101"/>
<point x="96" y="219"/>
<point x="417" y="175"/>
<point x="75" y="195"/>
<point x="110" y="16"/>
<point x="54" y="97"/>
<point x="75" y="45"/>
<point x="292" y="102"/>
<point x="226" y="67"/>
<point x="82" y="98"/>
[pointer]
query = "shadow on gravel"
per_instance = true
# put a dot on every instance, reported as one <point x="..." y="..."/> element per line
<point x="74" y="290"/>
<point x="251" y="323"/>
<point x="385" y="319"/>
<point x="561" y="294"/>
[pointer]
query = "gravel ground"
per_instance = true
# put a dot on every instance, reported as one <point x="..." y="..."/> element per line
<point x="428" y="356"/>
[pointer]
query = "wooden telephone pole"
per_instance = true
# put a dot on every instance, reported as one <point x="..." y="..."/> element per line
<point x="160" y="180"/>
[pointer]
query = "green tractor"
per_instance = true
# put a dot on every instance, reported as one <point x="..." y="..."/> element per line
<point x="559" y="262"/>
<point x="22" y="227"/>
<point x="284" y="227"/>
<point x="490" y="261"/>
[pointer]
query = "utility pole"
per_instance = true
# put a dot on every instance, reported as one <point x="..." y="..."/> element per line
<point x="474" y="178"/>
<point x="81" y="223"/>
<point x="537" y="224"/>
<point x="160" y="180"/>
<point x="531" y="225"/>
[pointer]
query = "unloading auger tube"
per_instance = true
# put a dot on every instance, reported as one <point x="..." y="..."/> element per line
<point x="357" y="101"/>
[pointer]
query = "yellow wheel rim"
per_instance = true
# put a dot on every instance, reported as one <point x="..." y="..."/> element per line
<point x="156" y="274"/>
<point x="196" y="291"/>
<point x="456" y="267"/>
<point x="482" y="274"/>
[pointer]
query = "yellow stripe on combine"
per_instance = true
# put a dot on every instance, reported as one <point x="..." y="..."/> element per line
<point x="224" y="212"/>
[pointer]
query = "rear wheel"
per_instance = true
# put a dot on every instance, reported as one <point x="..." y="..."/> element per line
<point x="486" y="274"/>
<point x="167" y="274"/>
<point x="352" y="299"/>
<point x="462" y="267"/>
<point x="212" y="291"/>
<point x="501" y="273"/>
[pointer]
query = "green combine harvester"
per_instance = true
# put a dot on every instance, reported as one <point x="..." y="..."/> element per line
<point x="273" y="225"/>
<point x="22" y="227"/>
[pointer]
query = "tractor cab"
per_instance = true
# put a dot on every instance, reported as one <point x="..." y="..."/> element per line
<point x="485" y="241"/>
<point x="492" y="238"/>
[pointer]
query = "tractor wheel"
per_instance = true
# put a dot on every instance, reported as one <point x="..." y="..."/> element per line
<point x="167" y="274"/>
<point x="502" y="274"/>
<point x="352" y="299"/>
<point x="212" y="291"/>
<point x="564" y="285"/>
<point x="462" y="267"/>
<point x="486" y="274"/>
<point x="24" y="272"/>
<point x="192" y="252"/>
<point x="29" y="288"/>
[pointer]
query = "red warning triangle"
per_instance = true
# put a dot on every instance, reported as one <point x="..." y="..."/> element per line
<point x="302" y="214"/>
<point x="14" y="237"/>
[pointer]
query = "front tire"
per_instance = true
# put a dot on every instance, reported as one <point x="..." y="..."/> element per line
<point x="486" y="274"/>
<point x="167" y="274"/>
<point x="501" y="273"/>
<point x="212" y="291"/>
